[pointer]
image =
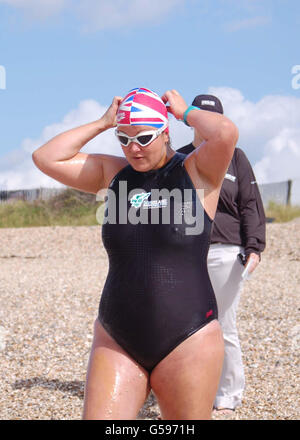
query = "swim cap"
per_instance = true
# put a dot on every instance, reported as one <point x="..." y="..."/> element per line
<point x="142" y="107"/>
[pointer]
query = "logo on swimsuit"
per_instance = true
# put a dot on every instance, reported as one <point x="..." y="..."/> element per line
<point x="138" y="199"/>
<point x="178" y="207"/>
<point x="186" y="207"/>
<point x="152" y="204"/>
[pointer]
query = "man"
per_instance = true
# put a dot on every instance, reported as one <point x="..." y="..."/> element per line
<point x="237" y="238"/>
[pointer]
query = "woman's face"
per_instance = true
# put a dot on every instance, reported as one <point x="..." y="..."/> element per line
<point x="145" y="158"/>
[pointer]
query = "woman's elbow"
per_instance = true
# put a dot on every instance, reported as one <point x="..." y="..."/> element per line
<point x="37" y="158"/>
<point x="229" y="134"/>
<point x="34" y="157"/>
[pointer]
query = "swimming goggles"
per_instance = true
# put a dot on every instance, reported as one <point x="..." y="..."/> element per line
<point x="143" y="139"/>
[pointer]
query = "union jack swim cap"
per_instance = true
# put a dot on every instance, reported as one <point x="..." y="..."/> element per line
<point x="142" y="107"/>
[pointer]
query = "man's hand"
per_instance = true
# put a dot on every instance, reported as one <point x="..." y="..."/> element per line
<point x="255" y="261"/>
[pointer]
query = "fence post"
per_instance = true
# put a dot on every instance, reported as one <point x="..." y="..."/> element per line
<point x="289" y="192"/>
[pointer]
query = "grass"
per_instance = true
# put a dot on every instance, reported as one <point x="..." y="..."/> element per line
<point x="70" y="208"/>
<point x="74" y="208"/>
<point x="282" y="213"/>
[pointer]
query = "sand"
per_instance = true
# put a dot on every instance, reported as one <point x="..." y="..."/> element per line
<point x="50" y="285"/>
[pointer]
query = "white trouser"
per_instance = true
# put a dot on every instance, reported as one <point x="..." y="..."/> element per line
<point x="225" y="273"/>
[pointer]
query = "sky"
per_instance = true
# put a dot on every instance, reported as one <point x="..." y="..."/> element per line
<point x="62" y="61"/>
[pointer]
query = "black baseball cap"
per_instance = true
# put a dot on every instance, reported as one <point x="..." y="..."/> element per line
<point x="208" y="102"/>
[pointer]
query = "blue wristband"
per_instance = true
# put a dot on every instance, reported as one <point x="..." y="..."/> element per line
<point x="191" y="107"/>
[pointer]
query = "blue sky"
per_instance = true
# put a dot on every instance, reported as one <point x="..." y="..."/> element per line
<point x="59" y="54"/>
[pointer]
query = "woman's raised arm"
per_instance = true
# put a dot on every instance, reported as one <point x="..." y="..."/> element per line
<point x="216" y="135"/>
<point x="60" y="158"/>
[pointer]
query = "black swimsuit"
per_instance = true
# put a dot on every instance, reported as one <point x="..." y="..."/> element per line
<point x="157" y="292"/>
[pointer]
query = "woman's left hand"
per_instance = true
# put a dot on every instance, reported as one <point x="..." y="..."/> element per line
<point x="255" y="261"/>
<point x="177" y="105"/>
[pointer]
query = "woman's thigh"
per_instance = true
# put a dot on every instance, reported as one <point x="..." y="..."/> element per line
<point x="116" y="386"/>
<point x="185" y="382"/>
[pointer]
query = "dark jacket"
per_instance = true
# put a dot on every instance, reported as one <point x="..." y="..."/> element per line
<point x="240" y="217"/>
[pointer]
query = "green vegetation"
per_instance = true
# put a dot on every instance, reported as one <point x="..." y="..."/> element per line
<point x="75" y="208"/>
<point x="282" y="213"/>
<point x="70" y="208"/>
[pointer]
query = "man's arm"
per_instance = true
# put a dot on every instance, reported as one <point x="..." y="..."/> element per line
<point x="253" y="222"/>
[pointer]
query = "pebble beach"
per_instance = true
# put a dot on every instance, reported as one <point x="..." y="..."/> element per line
<point x="51" y="280"/>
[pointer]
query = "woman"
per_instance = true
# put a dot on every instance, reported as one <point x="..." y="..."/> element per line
<point x="239" y="228"/>
<point x="153" y="316"/>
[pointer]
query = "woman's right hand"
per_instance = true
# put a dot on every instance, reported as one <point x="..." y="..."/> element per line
<point x="177" y="105"/>
<point x="110" y="116"/>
